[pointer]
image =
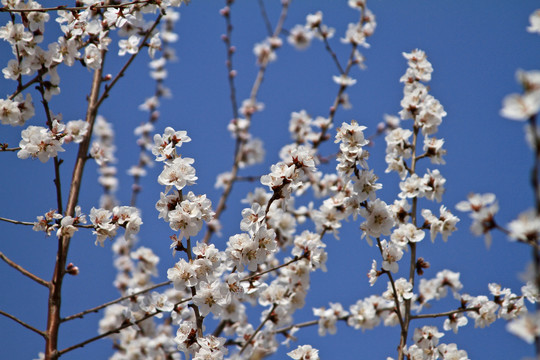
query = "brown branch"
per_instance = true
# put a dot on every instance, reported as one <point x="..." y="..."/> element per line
<point x="16" y="221"/>
<point x="247" y="178"/>
<point x="55" y="294"/>
<point x="21" y="88"/>
<point x="97" y="308"/>
<point x="153" y="117"/>
<point x="330" y="51"/>
<point x="337" y="102"/>
<point x="300" y="325"/>
<point x="2" y="148"/>
<point x="229" y="62"/>
<point x="75" y="8"/>
<point x="535" y="183"/>
<point x="124" y="68"/>
<point x="266" y="20"/>
<point x="27" y="223"/>
<point x="448" y="313"/>
<point x="19" y="321"/>
<point x="240" y="141"/>
<point x="198" y="317"/>
<point x="57" y="162"/>
<point x="249" y="278"/>
<point x="114" y="331"/>
<point x="24" y="271"/>
<point x="258" y="329"/>
<point x="394" y="291"/>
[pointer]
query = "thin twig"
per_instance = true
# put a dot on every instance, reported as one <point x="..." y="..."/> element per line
<point x="230" y="68"/>
<point x="114" y="331"/>
<point x="266" y="20"/>
<point x="97" y="308"/>
<point x="9" y="149"/>
<point x="247" y="178"/>
<point x="17" y="221"/>
<point x="394" y="291"/>
<point x="124" y="68"/>
<point x="240" y="141"/>
<point x="249" y="278"/>
<point x="337" y="101"/>
<point x="444" y="314"/>
<point x="330" y="51"/>
<point x="299" y="325"/>
<point x="74" y="8"/>
<point x="258" y="328"/>
<point x="57" y="161"/>
<point x="30" y="327"/>
<point x="24" y="271"/>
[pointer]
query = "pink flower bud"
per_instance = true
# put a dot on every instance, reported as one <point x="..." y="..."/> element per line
<point x="72" y="269"/>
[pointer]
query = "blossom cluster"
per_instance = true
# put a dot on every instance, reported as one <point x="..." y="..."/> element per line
<point x="266" y="263"/>
<point x="45" y="143"/>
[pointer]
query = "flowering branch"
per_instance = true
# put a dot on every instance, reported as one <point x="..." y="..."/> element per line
<point x="198" y="317"/>
<point x="295" y="259"/>
<point x="394" y="291"/>
<point x="97" y="308"/>
<point x="324" y="129"/>
<point x="57" y="162"/>
<point x="92" y="7"/>
<point x="124" y="68"/>
<point x="116" y="330"/>
<point x="240" y="141"/>
<point x="24" y="271"/>
<point x="55" y="294"/>
<point x="248" y="341"/>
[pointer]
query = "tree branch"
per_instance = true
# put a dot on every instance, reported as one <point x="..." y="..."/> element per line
<point x="448" y="313"/>
<point x="55" y="294"/>
<point x="30" y="327"/>
<point x="24" y="271"/>
<point x="97" y="308"/>
<point x="249" y="278"/>
<point x="124" y="68"/>
<point x="240" y="141"/>
<point x="17" y="221"/>
<point x="258" y="329"/>
<point x="114" y="331"/>
<point x="74" y="8"/>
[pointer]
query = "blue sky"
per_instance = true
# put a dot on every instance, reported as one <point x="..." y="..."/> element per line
<point x="475" y="48"/>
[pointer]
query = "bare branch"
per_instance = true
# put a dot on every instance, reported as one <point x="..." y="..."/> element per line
<point x="444" y="314"/>
<point x="266" y="20"/>
<point x="30" y="327"/>
<point x="16" y="221"/>
<point x="24" y="271"/>
<point x="300" y="325"/>
<point x="4" y="147"/>
<point x="330" y="51"/>
<point x="249" y="278"/>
